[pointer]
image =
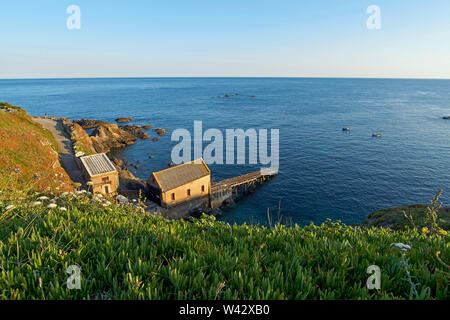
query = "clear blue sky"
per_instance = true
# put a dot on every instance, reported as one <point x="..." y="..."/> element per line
<point x="305" y="38"/>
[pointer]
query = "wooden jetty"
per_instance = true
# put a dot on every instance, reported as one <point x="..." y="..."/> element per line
<point x="245" y="180"/>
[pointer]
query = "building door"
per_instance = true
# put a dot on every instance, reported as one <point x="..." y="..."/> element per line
<point x="106" y="190"/>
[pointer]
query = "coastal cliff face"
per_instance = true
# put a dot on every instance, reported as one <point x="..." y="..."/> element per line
<point x="105" y="135"/>
<point x="81" y="140"/>
<point x="108" y="136"/>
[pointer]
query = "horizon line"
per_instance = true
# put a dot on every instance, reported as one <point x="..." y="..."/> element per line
<point x="219" y="77"/>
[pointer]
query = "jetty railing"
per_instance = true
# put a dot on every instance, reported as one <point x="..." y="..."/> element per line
<point x="249" y="178"/>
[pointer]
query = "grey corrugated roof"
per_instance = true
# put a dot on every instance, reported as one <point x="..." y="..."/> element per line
<point x="97" y="164"/>
<point x="171" y="178"/>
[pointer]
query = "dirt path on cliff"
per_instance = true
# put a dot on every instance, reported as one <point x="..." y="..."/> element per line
<point x="64" y="147"/>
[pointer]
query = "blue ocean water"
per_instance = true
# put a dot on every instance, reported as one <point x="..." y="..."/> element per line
<point x="324" y="172"/>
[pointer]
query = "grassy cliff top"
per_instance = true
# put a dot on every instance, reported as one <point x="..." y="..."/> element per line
<point x="28" y="153"/>
<point x="124" y="253"/>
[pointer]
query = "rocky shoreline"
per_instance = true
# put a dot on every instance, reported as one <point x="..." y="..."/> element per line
<point x="105" y="137"/>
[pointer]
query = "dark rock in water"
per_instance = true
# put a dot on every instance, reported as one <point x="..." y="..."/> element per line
<point x="139" y="161"/>
<point x="252" y="96"/>
<point x="346" y="129"/>
<point x="155" y="139"/>
<point x="170" y="164"/>
<point x="123" y="120"/>
<point x="134" y="165"/>
<point x="143" y="135"/>
<point x="132" y="129"/>
<point x="160" y="131"/>
<point x="147" y="127"/>
<point x="90" y="124"/>
<point x="151" y="156"/>
<point x="227" y="96"/>
<point x="376" y="135"/>
<point x="446" y="118"/>
<point x="127" y="164"/>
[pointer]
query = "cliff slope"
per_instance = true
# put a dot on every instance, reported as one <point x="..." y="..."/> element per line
<point x="28" y="154"/>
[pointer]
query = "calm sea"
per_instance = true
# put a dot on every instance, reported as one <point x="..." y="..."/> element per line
<point x="324" y="172"/>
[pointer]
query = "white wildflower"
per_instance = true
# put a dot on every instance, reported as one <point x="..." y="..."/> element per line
<point x="62" y="209"/>
<point x="36" y="203"/>
<point x="43" y="198"/>
<point x="10" y="207"/>
<point x="403" y="247"/>
<point x="52" y="205"/>
<point x="89" y="183"/>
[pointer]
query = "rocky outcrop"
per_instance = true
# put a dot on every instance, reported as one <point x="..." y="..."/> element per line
<point x="446" y="118"/>
<point x="90" y="124"/>
<point x="127" y="180"/>
<point x="132" y="129"/>
<point x="142" y="135"/>
<point x="138" y="131"/>
<point x="123" y="120"/>
<point x="108" y="136"/>
<point x="82" y="143"/>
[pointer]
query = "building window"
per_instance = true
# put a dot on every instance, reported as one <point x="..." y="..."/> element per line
<point x="173" y="196"/>
<point x="188" y="192"/>
<point x="105" y="179"/>
<point x="106" y="189"/>
<point x="203" y="188"/>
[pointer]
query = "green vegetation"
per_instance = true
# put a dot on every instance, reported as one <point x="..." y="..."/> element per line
<point x="125" y="253"/>
<point x="28" y="153"/>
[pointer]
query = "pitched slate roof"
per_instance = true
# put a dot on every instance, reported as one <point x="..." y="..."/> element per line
<point x="174" y="177"/>
<point x="97" y="164"/>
